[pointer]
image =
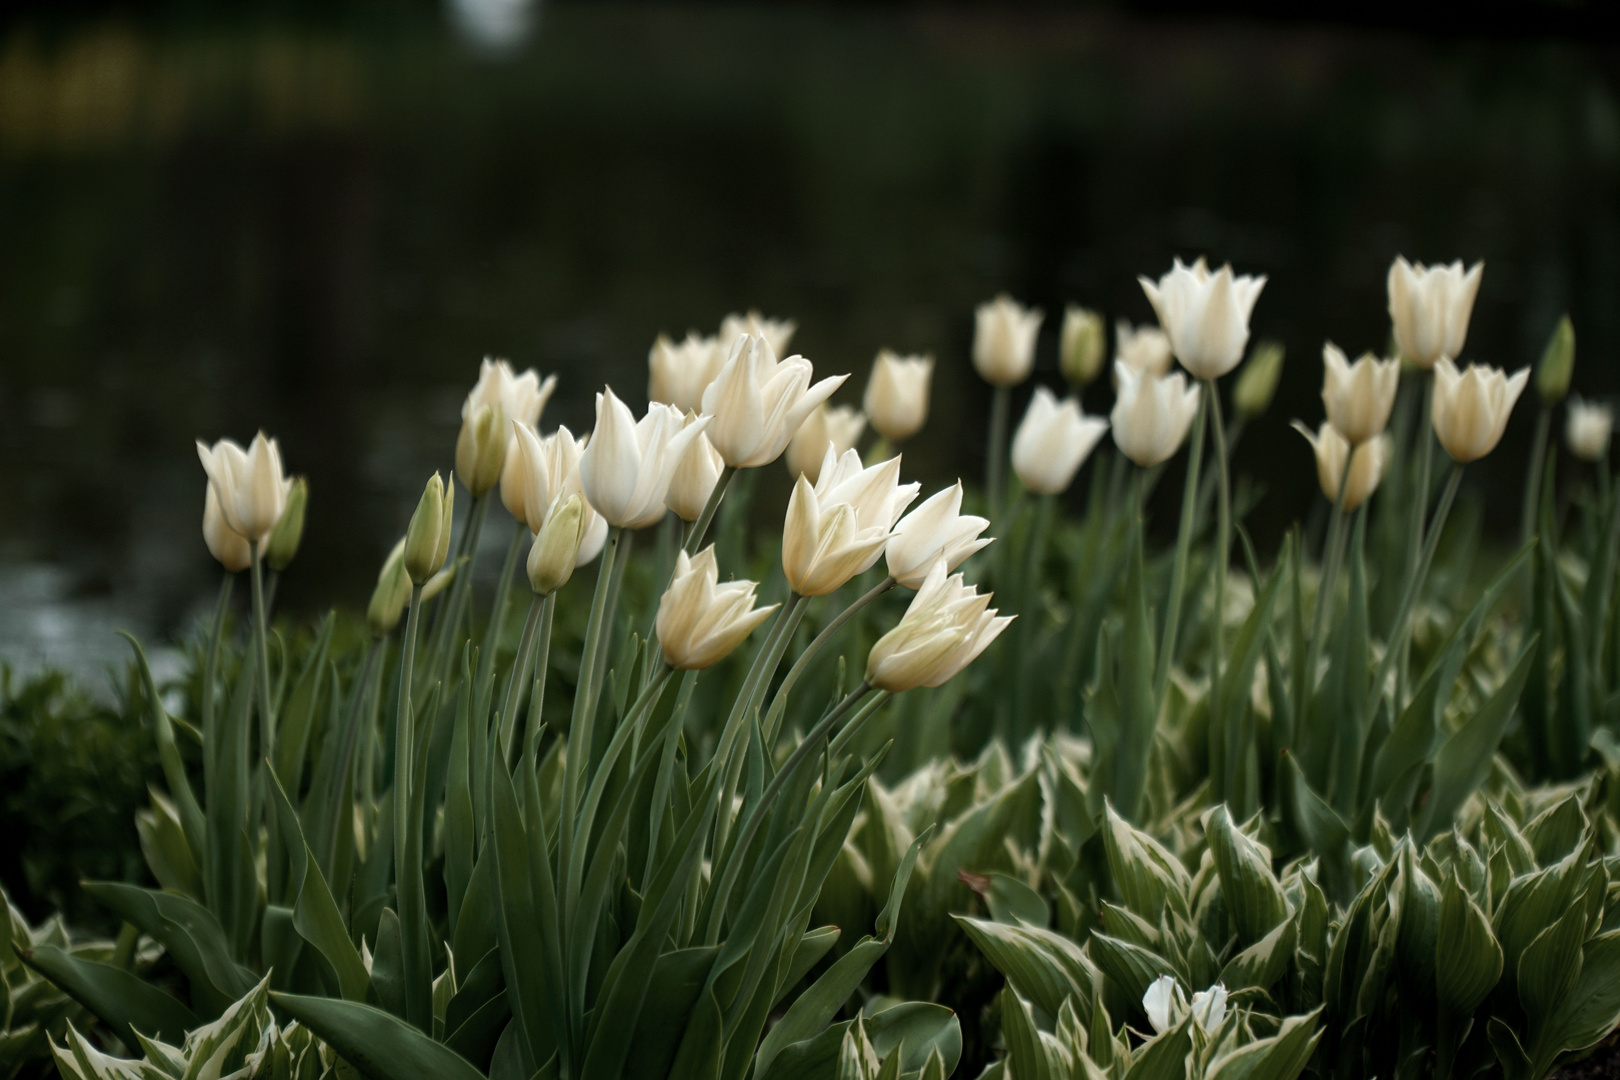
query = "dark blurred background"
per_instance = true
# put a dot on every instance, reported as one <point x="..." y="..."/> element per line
<point x="316" y="219"/>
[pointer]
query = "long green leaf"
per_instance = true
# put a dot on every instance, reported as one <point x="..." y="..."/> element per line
<point x="119" y="999"/>
<point x="379" y="1044"/>
<point x="191" y="935"/>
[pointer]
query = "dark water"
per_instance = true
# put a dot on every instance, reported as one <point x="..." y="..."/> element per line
<point x="319" y="229"/>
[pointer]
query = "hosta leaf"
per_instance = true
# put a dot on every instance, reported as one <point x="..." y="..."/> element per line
<point x="1248" y="887"/>
<point x="1592" y="1007"/>
<point x="1165" y="1056"/>
<point x="1132" y="967"/>
<point x="1468" y="960"/>
<point x="1011" y="900"/>
<point x="1044" y="967"/>
<point x="916" y="1029"/>
<point x="1282" y="1056"/>
<point x="1550" y="966"/>
<point x="119" y="999"/>
<point x="1263" y="963"/>
<point x="379" y="1044"/>
<point x="1147" y="875"/>
<point x="1024" y="1050"/>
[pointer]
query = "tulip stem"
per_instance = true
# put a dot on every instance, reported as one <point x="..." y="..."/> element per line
<point x="211" y="672"/>
<point x="517" y="679"/>
<point x="579" y="728"/>
<point x="497" y="613"/>
<point x="405" y="860"/>
<point x="542" y="664"/>
<point x="700" y="527"/>
<point x="1326" y="585"/>
<point x="351" y="735"/>
<point x="779" y="701"/>
<point x="996" y="452"/>
<point x="1420" y="503"/>
<point x="267" y="718"/>
<point x="1178" y="571"/>
<point x="1223" y="528"/>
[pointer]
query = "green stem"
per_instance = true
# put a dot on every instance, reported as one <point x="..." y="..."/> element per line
<point x="351" y="735"/>
<point x="404" y="863"/>
<point x="518" y="679"/>
<point x="1178" y="571"/>
<point x="1223" y="533"/>
<point x="1326" y="585"/>
<point x="267" y="718"/>
<point x="1420" y="502"/>
<point x="497" y="613"/>
<point x="211" y="673"/>
<point x="537" y="696"/>
<point x="779" y="701"/>
<point x="996" y="451"/>
<point x="1532" y="478"/>
<point x="700" y="527"/>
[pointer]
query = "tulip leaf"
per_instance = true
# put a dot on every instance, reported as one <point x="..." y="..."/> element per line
<point x="1043" y="967"/>
<point x="379" y="1044"/>
<point x="911" y="1030"/>
<point x="315" y="914"/>
<point x="296" y="719"/>
<point x="1248" y="886"/>
<point x="174" y="769"/>
<point x="118" y="998"/>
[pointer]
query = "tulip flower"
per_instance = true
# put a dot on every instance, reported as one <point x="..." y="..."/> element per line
<point x="1358" y="396"/>
<point x="1587" y="430"/>
<point x="1366" y="467"/>
<point x="947" y="625"/>
<point x="1206" y="316"/>
<point x="758" y="403"/>
<point x="678" y="374"/>
<point x="828" y="427"/>
<point x="550" y="474"/>
<point x="896" y="398"/>
<point x="839" y="527"/>
<point x="696" y="473"/>
<point x="1052" y="442"/>
<point x="1161" y="1003"/>
<point x="937" y="529"/>
<point x="282" y="545"/>
<point x="626" y="467"/>
<point x="1081" y="345"/>
<point x="1152" y="415"/>
<point x="499" y="396"/>
<point x="249" y="484"/>
<point x="1471" y="408"/>
<point x="427" y="540"/>
<point x="1257" y="382"/>
<point x="1004" y="333"/>
<point x="224" y="543"/>
<point x="779" y="332"/>
<point x="701" y="621"/>
<point x="1430" y="307"/>
<point x="392" y="593"/>
<point x="1209" y="1007"/>
<point x="1146" y="348"/>
<point x="555" y="553"/>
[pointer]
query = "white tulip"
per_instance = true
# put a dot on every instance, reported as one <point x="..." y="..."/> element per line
<point x="1052" y="442"/>
<point x="936" y="530"/>
<point x="828" y="427"/>
<point x="701" y="621"/>
<point x="1162" y="1002"/>
<point x="1586" y="431"/>
<point x="946" y="627"/>
<point x="224" y="543"/>
<point x="595" y="539"/>
<point x="1205" y="315"/>
<point x="1146" y="348"/>
<point x="839" y="527"/>
<point x="1430" y="307"/>
<point x="1366" y="467"/>
<point x="1151" y="415"/>
<point x="758" y="403"/>
<point x="678" y="374"/>
<point x="626" y="467"/>
<point x="896" y="398"/>
<point x="1358" y="396"/>
<point x="1471" y="408"/>
<point x="250" y="485"/>
<point x="1004" y="333"/>
<point x="1209" y="1007"/>
<point x="692" y="482"/>
<point x="499" y="396"/>
<point x="779" y="332"/>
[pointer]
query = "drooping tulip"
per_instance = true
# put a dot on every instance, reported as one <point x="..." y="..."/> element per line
<point x="251" y="487"/>
<point x="700" y="621"/>
<point x="1358" y="396"/>
<point x="834" y="427"/>
<point x="839" y="527"/>
<point x="1205" y="315"/>
<point x="693" y="480"/>
<point x="555" y="552"/>
<point x="947" y="625"/>
<point x="1430" y="307"/>
<point x="224" y="543"/>
<point x="1082" y="346"/>
<point x="1151" y="415"/>
<point x="1004" y="333"/>
<point x="1052" y="442"/>
<point x="896" y="399"/>
<point x="1366" y="467"/>
<point x="627" y="465"/>
<point x="936" y="530"/>
<point x="427" y="539"/>
<point x="1471" y="408"/>
<point x="1145" y="348"/>
<point x="677" y="374"/>
<point x="779" y="332"/>
<point x="758" y="403"/>
<point x="1588" y="429"/>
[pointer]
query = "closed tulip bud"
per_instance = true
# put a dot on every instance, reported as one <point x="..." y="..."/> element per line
<point x="1358" y="396"/>
<point x="249" y="484"/>
<point x="828" y="427"/>
<point x="1052" y="442"/>
<point x="839" y="527"/>
<point x="1205" y="315"/>
<point x="1004" y="333"/>
<point x="556" y="547"/>
<point x="627" y="465"/>
<point x="937" y="530"/>
<point x="392" y="593"/>
<point x="1557" y="363"/>
<point x="896" y="398"/>
<point x="1429" y="308"/>
<point x="695" y="475"/>
<point x="1152" y="415"/>
<point x="1471" y="408"/>
<point x="778" y="332"/>
<point x="1083" y="346"/>
<point x="1145" y="348"/>
<point x="678" y="374"/>
<point x="700" y="621"/>
<point x="427" y="540"/>
<point x="499" y="396"/>
<point x="224" y="543"/>
<point x="947" y="625"/>
<point x="481" y="449"/>
<point x="1366" y="467"/>
<point x="1257" y="382"/>
<point x="758" y="404"/>
<point x="1586" y="431"/>
<point x="282" y="546"/>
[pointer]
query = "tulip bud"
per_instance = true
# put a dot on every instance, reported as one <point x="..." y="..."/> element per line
<point x="937" y="530"/>
<point x="289" y="531"/>
<point x="249" y="483"/>
<point x="1366" y="467"/>
<point x="1429" y="308"/>
<point x="1145" y="348"/>
<point x="627" y="465"/>
<point x="1052" y="442"/>
<point x="392" y="593"/>
<point x="481" y="449"/>
<point x="834" y="427"/>
<point x="839" y="527"/>
<point x="1557" y="363"/>
<point x="1588" y="429"/>
<point x="947" y="625"/>
<point x="1152" y="415"/>
<point x="427" y="540"/>
<point x="696" y="473"/>
<point x="758" y="404"/>
<point x="896" y="398"/>
<point x="1471" y="408"/>
<point x="1205" y="315"/>
<point x="1082" y="346"/>
<point x="224" y="543"/>
<point x="1358" y="396"/>
<point x="1257" y="382"/>
<point x="1004" y="333"/>
<point x="700" y="621"/>
<point x="556" y="546"/>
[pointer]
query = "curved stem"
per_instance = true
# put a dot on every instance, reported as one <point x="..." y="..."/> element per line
<point x="1223" y="531"/>
<point x="779" y="701"/>
<point x="700" y="527"/>
<point x="1326" y="585"/>
<point x="1178" y="572"/>
<point x="579" y="728"/>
